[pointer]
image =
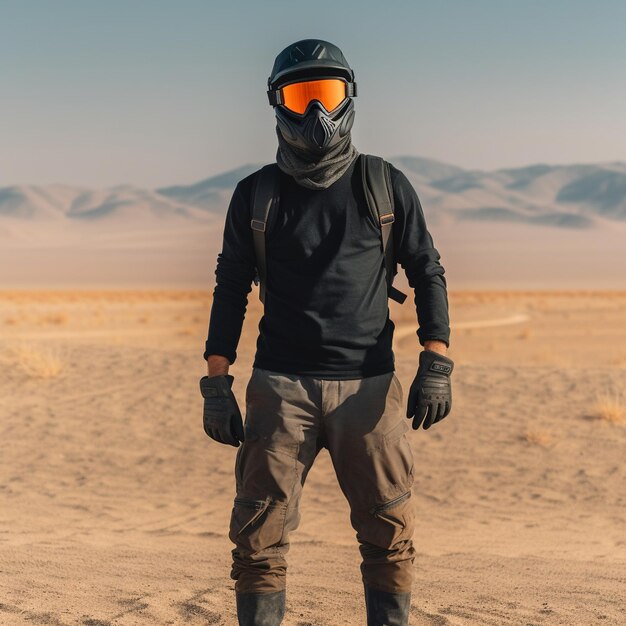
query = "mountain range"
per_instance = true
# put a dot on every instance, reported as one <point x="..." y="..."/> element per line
<point x="566" y="196"/>
<point x="536" y="226"/>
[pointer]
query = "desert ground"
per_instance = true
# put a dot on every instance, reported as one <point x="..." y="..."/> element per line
<point x="114" y="505"/>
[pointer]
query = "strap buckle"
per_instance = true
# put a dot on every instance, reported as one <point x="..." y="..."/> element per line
<point x="258" y="225"/>
<point x="387" y="218"/>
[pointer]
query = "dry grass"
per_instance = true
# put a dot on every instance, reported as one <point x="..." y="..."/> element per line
<point x="37" y="362"/>
<point x="610" y="408"/>
<point x="538" y="436"/>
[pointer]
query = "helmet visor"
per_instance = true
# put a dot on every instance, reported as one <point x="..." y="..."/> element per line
<point x="331" y="92"/>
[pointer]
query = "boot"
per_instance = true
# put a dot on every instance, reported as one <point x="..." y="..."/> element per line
<point x="387" y="609"/>
<point x="260" y="609"/>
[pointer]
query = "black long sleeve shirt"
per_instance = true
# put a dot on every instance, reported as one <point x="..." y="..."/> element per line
<point x="326" y="306"/>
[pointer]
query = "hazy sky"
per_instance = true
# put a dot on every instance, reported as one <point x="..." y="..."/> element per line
<point x="152" y="92"/>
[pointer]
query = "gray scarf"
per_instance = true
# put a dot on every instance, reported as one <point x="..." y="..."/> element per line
<point x="311" y="173"/>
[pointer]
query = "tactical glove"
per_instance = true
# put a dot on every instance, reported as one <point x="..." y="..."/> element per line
<point x="430" y="396"/>
<point x="222" y="418"/>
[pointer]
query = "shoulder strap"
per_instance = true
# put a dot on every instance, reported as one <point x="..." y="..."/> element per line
<point x="379" y="197"/>
<point x="265" y="196"/>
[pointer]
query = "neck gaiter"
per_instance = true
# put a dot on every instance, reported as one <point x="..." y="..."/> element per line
<point x="315" y="171"/>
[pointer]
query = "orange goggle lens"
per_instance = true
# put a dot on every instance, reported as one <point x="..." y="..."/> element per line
<point x="331" y="92"/>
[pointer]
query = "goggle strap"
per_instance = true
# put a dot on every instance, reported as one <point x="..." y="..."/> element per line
<point x="275" y="97"/>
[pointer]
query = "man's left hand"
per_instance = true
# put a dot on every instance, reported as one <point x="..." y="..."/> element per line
<point x="430" y="396"/>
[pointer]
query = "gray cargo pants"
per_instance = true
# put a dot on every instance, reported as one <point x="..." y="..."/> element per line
<point x="362" y="423"/>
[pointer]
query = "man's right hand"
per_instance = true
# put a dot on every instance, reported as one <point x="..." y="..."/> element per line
<point x="222" y="417"/>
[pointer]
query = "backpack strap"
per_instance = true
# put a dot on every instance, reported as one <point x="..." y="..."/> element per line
<point x="379" y="197"/>
<point x="265" y="196"/>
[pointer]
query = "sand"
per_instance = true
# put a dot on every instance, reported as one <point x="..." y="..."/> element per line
<point x="114" y="505"/>
<point x="182" y="253"/>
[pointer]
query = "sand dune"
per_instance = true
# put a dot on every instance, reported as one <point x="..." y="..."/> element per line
<point x="114" y="505"/>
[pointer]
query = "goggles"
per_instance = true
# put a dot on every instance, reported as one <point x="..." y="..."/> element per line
<point x="330" y="92"/>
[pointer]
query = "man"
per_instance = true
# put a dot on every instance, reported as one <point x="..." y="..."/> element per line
<point x="324" y="373"/>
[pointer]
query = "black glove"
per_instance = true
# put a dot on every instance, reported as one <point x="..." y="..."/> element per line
<point x="430" y="396"/>
<point x="222" y="418"/>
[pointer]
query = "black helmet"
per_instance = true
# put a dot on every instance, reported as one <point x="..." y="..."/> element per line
<point x="314" y="129"/>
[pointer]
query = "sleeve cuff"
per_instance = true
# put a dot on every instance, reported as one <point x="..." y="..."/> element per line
<point x="423" y="340"/>
<point x="229" y="353"/>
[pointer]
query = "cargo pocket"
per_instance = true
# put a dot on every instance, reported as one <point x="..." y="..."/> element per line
<point x="392" y="522"/>
<point x="257" y="524"/>
<point x="380" y="509"/>
<point x="253" y="510"/>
